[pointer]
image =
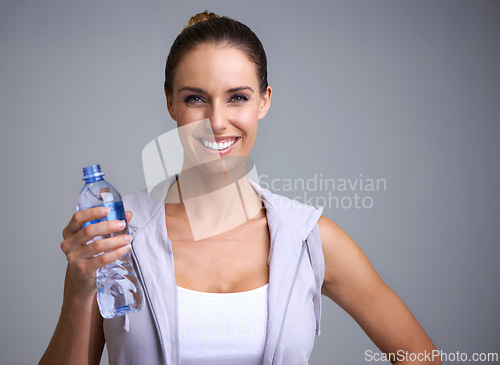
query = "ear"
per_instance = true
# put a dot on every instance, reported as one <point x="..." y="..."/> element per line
<point x="265" y="102"/>
<point x="170" y="107"/>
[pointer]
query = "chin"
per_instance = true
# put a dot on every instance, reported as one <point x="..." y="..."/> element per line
<point x="228" y="168"/>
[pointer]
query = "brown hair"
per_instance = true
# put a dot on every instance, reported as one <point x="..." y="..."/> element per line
<point x="210" y="28"/>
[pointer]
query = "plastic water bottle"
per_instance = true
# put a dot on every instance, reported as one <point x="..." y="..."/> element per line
<point x="118" y="290"/>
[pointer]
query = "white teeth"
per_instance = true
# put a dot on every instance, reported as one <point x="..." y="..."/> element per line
<point x="217" y="146"/>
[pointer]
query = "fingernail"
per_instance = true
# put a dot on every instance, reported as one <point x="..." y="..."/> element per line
<point x="105" y="210"/>
<point x="127" y="238"/>
<point x="121" y="224"/>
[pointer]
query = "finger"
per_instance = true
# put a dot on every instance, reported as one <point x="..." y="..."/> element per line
<point x="85" y="267"/>
<point x="103" y="228"/>
<point x="109" y="257"/>
<point x="128" y="215"/>
<point x="88" y="233"/>
<point x="106" y="244"/>
<point x="81" y="217"/>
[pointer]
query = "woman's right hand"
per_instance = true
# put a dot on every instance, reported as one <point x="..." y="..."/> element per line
<point x="79" y="336"/>
<point x="84" y="259"/>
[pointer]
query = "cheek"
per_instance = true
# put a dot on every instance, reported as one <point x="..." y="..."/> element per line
<point x="186" y="115"/>
<point x="246" y="120"/>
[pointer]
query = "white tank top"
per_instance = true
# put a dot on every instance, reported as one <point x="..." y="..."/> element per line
<point x="222" y="328"/>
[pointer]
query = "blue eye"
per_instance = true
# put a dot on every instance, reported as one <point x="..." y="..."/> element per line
<point x="191" y="99"/>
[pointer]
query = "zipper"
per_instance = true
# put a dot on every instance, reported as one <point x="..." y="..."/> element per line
<point x="308" y="252"/>
<point x="304" y="246"/>
<point x="146" y="293"/>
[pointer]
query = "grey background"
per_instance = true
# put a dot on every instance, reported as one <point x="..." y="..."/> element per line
<point x="406" y="91"/>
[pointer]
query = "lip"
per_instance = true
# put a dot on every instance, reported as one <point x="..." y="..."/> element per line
<point x="219" y="139"/>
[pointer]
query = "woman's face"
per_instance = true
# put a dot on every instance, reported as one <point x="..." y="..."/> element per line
<point x="217" y="87"/>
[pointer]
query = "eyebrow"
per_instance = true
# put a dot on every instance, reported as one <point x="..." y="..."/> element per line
<point x="201" y="91"/>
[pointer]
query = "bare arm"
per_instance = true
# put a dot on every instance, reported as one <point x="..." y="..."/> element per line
<point x="352" y="282"/>
<point x="79" y="337"/>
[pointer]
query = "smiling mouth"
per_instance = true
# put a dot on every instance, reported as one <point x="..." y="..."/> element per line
<point x="218" y="144"/>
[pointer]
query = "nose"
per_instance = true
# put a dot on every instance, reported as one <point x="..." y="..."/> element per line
<point x="218" y="118"/>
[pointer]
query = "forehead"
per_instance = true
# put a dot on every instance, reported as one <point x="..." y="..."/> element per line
<point x="212" y="66"/>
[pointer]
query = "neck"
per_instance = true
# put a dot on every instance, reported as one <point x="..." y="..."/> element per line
<point x="215" y="201"/>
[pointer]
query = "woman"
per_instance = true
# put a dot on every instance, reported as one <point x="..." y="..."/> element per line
<point x="250" y="266"/>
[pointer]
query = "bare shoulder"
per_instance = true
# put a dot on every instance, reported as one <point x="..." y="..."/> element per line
<point x="352" y="282"/>
<point x="332" y="236"/>
<point x="328" y="229"/>
<point x="345" y="264"/>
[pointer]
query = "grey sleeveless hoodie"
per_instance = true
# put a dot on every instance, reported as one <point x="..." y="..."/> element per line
<point x="296" y="272"/>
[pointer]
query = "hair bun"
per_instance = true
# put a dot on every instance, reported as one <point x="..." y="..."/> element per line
<point x="201" y="17"/>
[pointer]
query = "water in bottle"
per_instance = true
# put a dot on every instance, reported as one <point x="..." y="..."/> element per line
<point x="118" y="290"/>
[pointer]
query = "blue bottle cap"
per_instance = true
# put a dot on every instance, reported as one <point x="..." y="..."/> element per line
<point x="92" y="171"/>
